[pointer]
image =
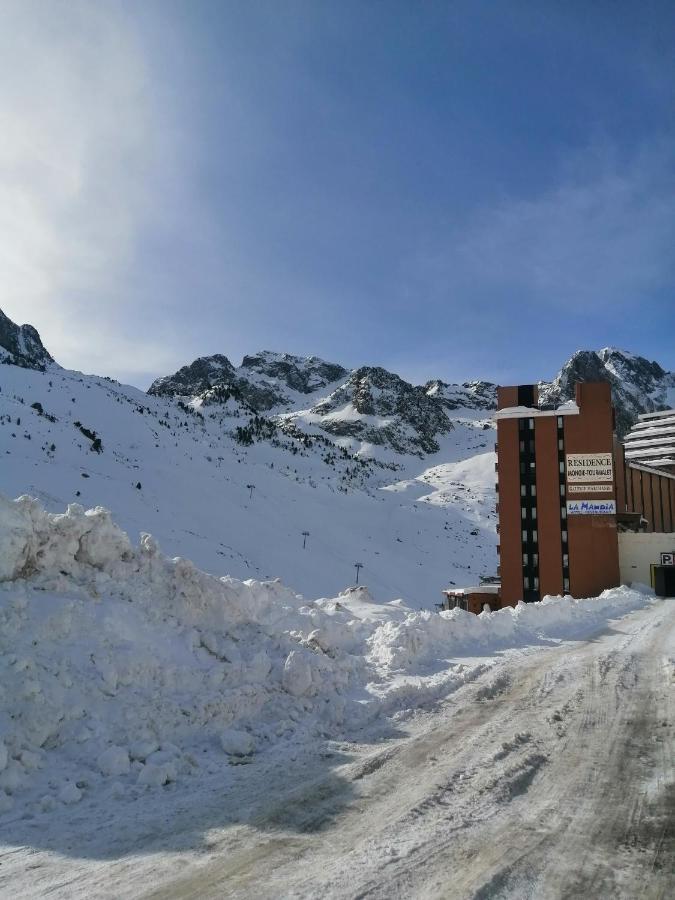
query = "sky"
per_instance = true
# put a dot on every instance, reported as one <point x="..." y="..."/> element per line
<point x="451" y="190"/>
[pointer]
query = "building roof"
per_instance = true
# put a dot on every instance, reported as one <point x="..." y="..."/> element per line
<point x="479" y="589"/>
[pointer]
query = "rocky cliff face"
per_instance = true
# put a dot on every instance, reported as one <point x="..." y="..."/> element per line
<point x="20" y="345"/>
<point x="264" y="381"/>
<point x="301" y="374"/>
<point x="379" y="407"/>
<point x="638" y="385"/>
<point x="190" y="381"/>
<point x="468" y="395"/>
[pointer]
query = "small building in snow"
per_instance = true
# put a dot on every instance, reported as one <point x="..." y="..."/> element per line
<point x="472" y="599"/>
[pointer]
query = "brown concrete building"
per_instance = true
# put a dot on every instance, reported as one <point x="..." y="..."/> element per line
<point x="564" y="489"/>
<point x="557" y="505"/>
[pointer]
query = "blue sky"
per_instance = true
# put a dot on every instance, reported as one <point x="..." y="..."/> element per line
<point x="455" y="190"/>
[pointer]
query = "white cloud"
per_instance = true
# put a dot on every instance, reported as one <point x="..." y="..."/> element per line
<point x="78" y="154"/>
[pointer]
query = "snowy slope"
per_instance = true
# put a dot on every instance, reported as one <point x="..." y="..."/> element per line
<point x="193" y="495"/>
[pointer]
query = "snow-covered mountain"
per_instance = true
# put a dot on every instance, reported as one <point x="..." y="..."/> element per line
<point x="469" y="395"/>
<point x="264" y="381"/>
<point x="376" y="407"/>
<point x="638" y="385"/>
<point x="20" y="345"/>
<point x="282" y="466"/>
<point x="370" y="411"/>
<point x="233" y="487"/>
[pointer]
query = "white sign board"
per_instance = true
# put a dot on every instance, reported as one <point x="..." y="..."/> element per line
<point x="668" y="559"/>
<point x="590" y="467"/>
<point x="591" y="507"/>
<point x="590" y="488"/>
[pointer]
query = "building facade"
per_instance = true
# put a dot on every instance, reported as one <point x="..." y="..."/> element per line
<point x="556" y="494"/>
<point x="566" y="487"/>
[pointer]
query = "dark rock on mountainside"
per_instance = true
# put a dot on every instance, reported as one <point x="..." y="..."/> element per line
<point x="262" y="381"/>
<point x="638" y="385"/>
<point x="201" y="375"/>
<point x="304" y="375"/>
<point x="468" y="395"/>
<point x="20" y="345"/>
<point x="380" y="407"/>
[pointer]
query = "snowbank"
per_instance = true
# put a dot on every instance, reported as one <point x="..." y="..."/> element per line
<point x="124" y="669"/>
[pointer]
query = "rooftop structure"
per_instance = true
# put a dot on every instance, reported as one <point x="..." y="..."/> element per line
<point x="651" y="441"/>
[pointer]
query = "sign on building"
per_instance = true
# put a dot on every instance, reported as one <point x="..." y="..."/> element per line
<point x="591" y="507"/>
<point x="590" y="488"/>
<point x="592" y="467"/>
<point x="668" y="559"/>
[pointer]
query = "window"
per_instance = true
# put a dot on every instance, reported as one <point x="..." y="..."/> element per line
<point x="523" y="512"/>
<point x="530" y="424"/>
<point x="534" y="512"/>
<point x="561" y="444"/>
<point x="562" y="490"/>
<point x="535" y="559"/>
<point x="522" y="446"/>
<point x="535" y="582"/>
<point x="562" y="467"/>
<point x="566" y="560"/>
<point x="532" y="467"/>
<point x="534" y="536"/>
<point x="560" y="421"/>
<point x="566" y="584"/>
<point x="533" y="490"/>
<point x="526" y="559"/>
<point x="563" y="513"/>
<point x="524" y="537"/>
<point x="526" y="582"/>
<point x="564" y="537"/>
<point x="523" y="490"/>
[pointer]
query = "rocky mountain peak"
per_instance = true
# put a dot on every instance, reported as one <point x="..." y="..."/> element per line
<point x="201" y="375"/>
<point x="468" y="395"/>
<point x="302" y="374"/>
<point x="20" y="345"/>
<point x="638" y="385"/>
<point x="378" y="406"/>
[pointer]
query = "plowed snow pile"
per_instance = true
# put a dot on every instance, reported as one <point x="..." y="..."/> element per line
<point x="123" y="671"/>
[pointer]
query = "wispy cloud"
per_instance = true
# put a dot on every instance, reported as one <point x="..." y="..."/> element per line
<point x="603" y="236"/>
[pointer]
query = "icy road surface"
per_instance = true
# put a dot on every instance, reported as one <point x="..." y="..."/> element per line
<point x="551" y="776"/>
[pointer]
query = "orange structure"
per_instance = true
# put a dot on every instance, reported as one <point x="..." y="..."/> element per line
<point x="565" y="488"/>
<point x="556" y="494"/>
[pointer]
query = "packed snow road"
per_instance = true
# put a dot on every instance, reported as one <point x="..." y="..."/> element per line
<point x="553" y="778"/>
<point x="550" y="775"/>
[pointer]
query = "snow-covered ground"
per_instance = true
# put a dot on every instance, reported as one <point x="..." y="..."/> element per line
<point x="164" y="729"/>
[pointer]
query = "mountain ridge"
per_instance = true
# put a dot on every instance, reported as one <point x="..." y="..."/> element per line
<point x="380" y="408"/>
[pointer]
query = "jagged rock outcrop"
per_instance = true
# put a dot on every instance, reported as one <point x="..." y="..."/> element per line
<point x="190" y="381"/>
<point x="20" y="345"/>
<point x="468" y="395"/>
<point x="378" y="406"/>
<point x="302" y="374"/>
<point x="264" y="380"/>
<point x="638" y="385"/>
